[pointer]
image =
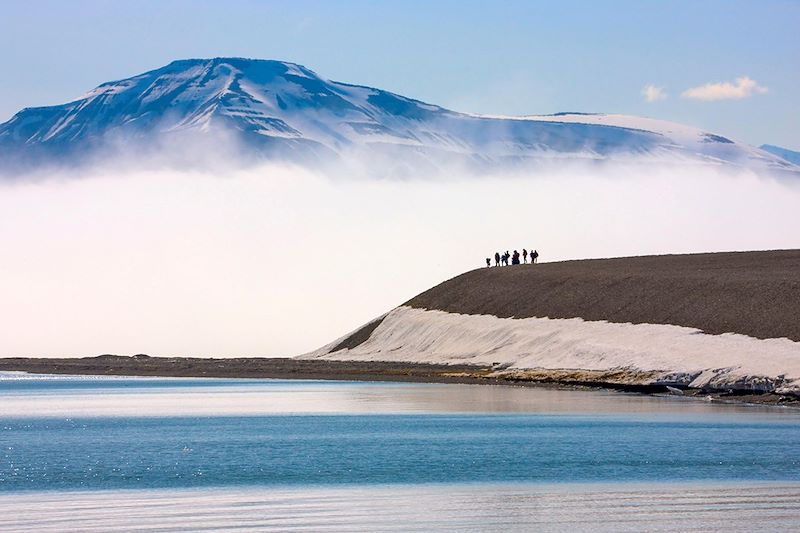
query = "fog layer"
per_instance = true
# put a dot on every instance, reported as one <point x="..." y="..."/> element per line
<point x="276" y="261"/>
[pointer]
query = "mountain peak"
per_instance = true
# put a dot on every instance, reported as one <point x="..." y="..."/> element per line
<point x="282" y="110"/>
<point x="240" y="63"/>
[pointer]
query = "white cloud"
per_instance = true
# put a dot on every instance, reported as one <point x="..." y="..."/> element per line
<point x="652" y="93"/>
<point x="744" y="87"/>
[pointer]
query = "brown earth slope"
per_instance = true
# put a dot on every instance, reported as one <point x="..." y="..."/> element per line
<point x="752" y="293"/>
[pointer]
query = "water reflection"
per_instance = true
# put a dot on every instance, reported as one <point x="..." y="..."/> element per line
<point x="122" y="397"/>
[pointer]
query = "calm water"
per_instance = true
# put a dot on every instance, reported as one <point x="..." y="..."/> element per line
<point x="188" y="454"/>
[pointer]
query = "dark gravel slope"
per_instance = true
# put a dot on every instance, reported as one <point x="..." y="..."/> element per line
<point x="753" y="293"/>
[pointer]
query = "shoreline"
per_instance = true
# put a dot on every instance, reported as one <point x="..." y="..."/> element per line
<point x="339" y="370"/>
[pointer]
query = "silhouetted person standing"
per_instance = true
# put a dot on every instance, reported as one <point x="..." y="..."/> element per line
<point x="515" y="258"/>
<point x="534" y="256"/>
<point x="524" y="255"/>
<point x="497" y="259"/>
<point x="488" y="262"/>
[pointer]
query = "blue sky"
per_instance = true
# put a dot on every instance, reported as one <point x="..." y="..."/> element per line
<point x="512" y="57"/>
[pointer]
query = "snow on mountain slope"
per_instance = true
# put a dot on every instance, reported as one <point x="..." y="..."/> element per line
<point x="791" y="156"/>
<point x="278" y="110"/>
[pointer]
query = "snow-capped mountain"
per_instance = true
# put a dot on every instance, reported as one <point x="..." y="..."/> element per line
<point x="279" y="110"/>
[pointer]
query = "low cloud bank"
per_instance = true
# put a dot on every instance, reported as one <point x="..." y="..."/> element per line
<point x="275" y="260"/>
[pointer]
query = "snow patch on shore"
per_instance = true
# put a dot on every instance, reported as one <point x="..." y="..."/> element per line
<point x="679" y="353"/>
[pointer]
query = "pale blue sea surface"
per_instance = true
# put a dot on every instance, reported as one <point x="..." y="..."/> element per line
<point x="114" y="454"/>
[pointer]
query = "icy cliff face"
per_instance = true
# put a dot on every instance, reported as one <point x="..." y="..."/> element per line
<point x="645" y="353"/>
<point x="279" y="110"/>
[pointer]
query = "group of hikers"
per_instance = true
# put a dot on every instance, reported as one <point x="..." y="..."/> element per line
<point x="502" y="259"/>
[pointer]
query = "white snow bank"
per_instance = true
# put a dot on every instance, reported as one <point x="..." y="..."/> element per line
<point x="417" y="335"/>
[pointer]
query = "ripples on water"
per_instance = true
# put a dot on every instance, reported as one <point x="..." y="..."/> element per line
<point x="611" y="508"/>
<point x="186" y="454"/>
